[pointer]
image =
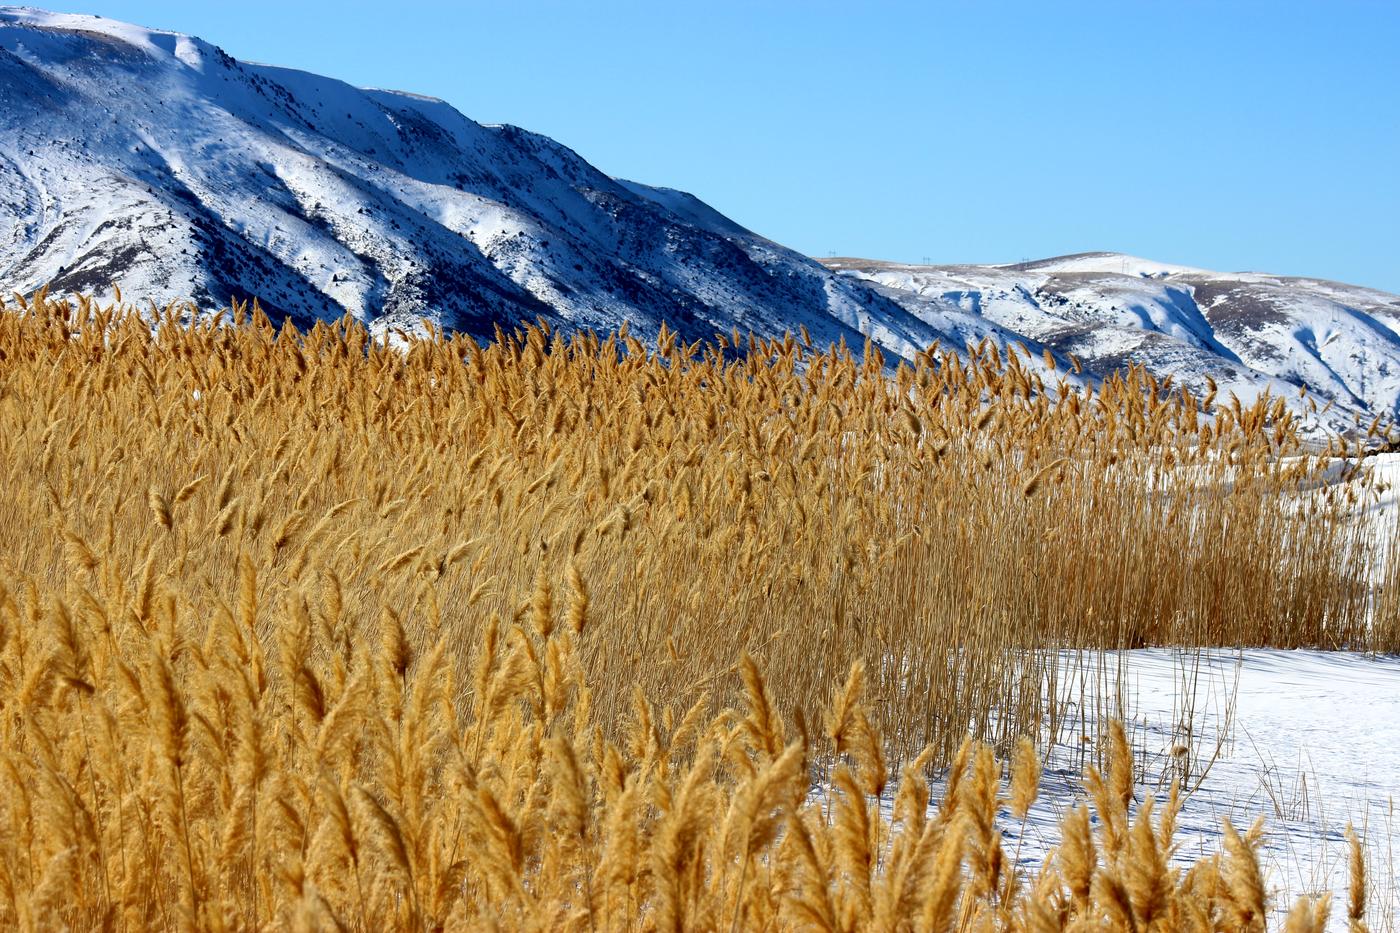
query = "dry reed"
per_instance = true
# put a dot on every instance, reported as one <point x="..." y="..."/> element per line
<point x="281" y="642"/>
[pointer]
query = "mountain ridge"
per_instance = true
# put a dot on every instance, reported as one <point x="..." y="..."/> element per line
<point x="1248" y="331"/>
<point x="208" y="178"/>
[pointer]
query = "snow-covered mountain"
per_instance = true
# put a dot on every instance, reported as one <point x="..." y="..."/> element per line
<point x="1248" y="331"/>
<point x="157" y="162"/>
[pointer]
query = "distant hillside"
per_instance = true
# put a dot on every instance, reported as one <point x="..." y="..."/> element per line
<point x="206" y="177"/>
<point x="1247" y="330"/>
<point x="155" y="161"/>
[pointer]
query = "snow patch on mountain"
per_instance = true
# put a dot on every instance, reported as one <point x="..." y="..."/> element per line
<point x="1251" y="332"/>
<point x="157" y="162"/>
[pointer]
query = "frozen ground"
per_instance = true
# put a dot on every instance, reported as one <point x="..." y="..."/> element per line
<point x="1310" y="740"/>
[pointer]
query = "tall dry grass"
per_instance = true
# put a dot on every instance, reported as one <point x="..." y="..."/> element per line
<point x="271" y="773"/>
<point x="943" y="525"/>
<point x="302" y="629"/>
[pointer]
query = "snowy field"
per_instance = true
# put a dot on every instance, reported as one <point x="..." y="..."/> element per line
<point x="1310" y="740"/>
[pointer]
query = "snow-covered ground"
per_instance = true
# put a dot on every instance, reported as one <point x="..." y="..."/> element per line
<point x="1310" y="740"/>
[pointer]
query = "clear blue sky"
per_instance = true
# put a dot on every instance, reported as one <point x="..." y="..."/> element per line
<point x="1229" y="135"/>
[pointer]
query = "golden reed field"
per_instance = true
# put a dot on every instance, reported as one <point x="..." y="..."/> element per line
<point x="304" y="631"/>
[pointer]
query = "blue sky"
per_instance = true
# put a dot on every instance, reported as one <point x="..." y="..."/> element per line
<point x="1260" y="136"/>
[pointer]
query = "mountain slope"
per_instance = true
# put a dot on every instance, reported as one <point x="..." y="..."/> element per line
<point x="1251" y="332"/>
<point x="206" y="177"/>
<point x="155" y="161"/>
